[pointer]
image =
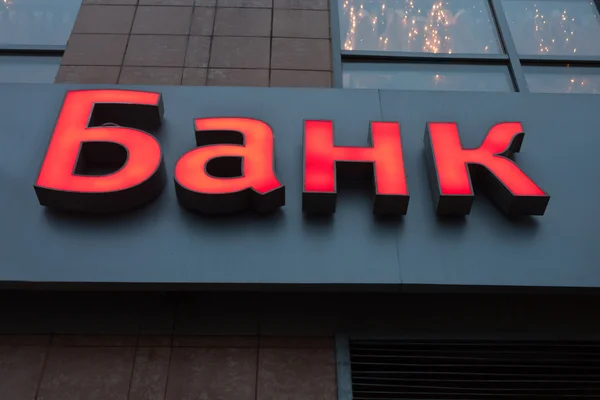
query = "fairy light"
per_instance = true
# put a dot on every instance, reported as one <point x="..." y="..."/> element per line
<point x="351" y="35"/>
<point x="554" y="39"/>
<point x="563" y="21"/>
<point x="409" y="13"/>
<point x="423" y="29"/>
<point x="576" y="84"/>
<point x="580" y="86"/>
<point x="436" y="30"/>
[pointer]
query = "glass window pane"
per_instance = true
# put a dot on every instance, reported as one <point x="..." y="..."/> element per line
<point x="37" y="22"/>
<point x="562" y="79"/>
<point x="28" y="69"/>
<point x="554" y="27"/>
<point x="489" y="78"/>
<point x="430" y="26"/>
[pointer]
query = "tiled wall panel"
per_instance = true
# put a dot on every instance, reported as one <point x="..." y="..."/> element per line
<point x="200" y="42"/>
<point x="150" y="347"/>
<point x="230" y="346"/>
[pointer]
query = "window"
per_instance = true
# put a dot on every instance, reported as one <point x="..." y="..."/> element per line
<point x="427" y="77"/>
<point x="430" y="26"/>
<point x="548" y="46"/>
<point x="563" y="80"/>
<point x="28" y="69"/>
<point x="554" y="27"/>
<point x="33" y="35"/>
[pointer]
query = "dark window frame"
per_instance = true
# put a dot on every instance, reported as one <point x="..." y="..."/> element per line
<point x="510" y="58"/>
<point x="32" y="50"/>
<point x="44" y="50"/>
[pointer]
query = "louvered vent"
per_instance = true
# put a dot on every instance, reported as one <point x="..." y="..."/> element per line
<point x="408" y="369"/>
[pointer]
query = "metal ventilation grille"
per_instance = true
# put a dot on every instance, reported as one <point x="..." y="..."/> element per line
<point x="405" y="369"/>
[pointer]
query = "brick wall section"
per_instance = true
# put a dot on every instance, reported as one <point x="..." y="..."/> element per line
<point x="121" y="367"/>
<point x="128" y="346"/>
<point x="238" y="346"/>
<point x="200" y="42"/>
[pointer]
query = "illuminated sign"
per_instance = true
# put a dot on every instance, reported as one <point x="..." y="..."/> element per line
<point x="101" y="159"/>
<point x="384" y="165"/>
<point x="231" y="169"/>
<point x="452" y="168"/>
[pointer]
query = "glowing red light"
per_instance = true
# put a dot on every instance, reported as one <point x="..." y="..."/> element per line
<point x="143" y="150"/>
<point x="321" y="156"/>
<point x="256" y="186"/>
<point x="452" y="160"/>
<point x="384" y="160"/>
<point x="257" y="152"/>
<point x="509" y="187"/>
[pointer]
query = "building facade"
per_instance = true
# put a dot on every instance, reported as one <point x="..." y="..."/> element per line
<point x="463" y="272"/>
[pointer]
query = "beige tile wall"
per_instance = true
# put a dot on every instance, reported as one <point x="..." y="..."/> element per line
<point x="181" y="346"/>
<point x="200" y="42"/>
<point x="117" y="367"/>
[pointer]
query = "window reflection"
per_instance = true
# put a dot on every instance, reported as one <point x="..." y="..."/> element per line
<point x="554" y="27"/>
<point x="37" y="22"/>
<point x="431" y="26"/>
<point x="562" y="80"/>
<point x="28" y="69"/>
<point x="427" y="77"/>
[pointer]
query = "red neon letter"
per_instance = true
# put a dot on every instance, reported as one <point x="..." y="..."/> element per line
<point x="383" y="162"/>
<point x="513" y="191"/>
<point x="232" y="169"/>
<point x="95" y="165"/>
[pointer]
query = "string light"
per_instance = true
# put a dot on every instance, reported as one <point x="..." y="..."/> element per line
<point x="545" y="32"/>
<point x="350" y="36"/>
<point x="577" y="85"/>
<point x="409" y="7"/>
<point x="401" y="26"/>
<point x="436" y="30"/>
